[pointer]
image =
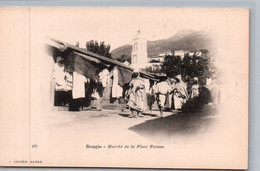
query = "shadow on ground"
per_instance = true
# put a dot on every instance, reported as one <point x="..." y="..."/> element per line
<point x="179" y="124"/>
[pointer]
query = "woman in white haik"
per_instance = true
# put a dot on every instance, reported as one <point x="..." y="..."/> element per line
<point x="180" y="93"/>
<point x="137" y="96"/>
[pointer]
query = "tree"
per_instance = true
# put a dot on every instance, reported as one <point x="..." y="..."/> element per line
<point x="189" y="66"/>
<point x="99" y="48"/>
<point x="172" y="65"/>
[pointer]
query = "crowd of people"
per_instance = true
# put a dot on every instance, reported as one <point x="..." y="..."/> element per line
<point x="170" y="94"/>
<point x="140" y="94"/>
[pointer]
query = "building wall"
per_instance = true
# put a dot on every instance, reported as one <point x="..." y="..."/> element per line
<point x="139" y="53"/>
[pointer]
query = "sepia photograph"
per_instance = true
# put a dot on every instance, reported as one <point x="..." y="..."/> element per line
<point x="127" y="87"/>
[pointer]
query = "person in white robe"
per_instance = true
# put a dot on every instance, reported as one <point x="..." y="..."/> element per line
<point x="170" y="102"/>
<point x="180" y="93"/>
<point x="59" y="82"/>
<point x="59" y="75"/>
<point x="162" y="90"/>
<point x="137" y="96"/>
<point x="195" y="88"/>
<point x="117" y="90"/>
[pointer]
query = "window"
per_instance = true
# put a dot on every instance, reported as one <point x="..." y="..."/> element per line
<point x="135" y="46"/>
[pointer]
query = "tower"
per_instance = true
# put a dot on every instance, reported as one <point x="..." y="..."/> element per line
<point x="139" y="51"/>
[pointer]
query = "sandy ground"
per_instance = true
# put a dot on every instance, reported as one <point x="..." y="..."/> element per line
<point x="115" y="123"/>
<point x="62" y="138"/>
<point x="65" y="135"/>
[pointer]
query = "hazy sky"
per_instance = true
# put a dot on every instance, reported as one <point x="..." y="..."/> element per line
<point x="117" y="26"/>
<point x="228" y="28"/>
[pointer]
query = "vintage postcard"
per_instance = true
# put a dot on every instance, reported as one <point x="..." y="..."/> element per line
<point x="128" y="87"/>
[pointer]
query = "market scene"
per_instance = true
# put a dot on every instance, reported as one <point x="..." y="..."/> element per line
<point x="89" y="81"/>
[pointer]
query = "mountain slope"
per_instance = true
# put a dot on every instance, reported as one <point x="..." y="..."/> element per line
<point x="187" y="40"/>
<point x="122" y="50"/>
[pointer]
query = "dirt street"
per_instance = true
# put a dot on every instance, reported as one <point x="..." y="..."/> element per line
<point x="115" y="122"/>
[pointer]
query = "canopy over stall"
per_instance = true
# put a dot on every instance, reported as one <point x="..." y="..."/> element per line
<point x="89" y="63"/>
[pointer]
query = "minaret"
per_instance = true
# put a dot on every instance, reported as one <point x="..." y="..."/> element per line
<point x="139" y="51"/>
